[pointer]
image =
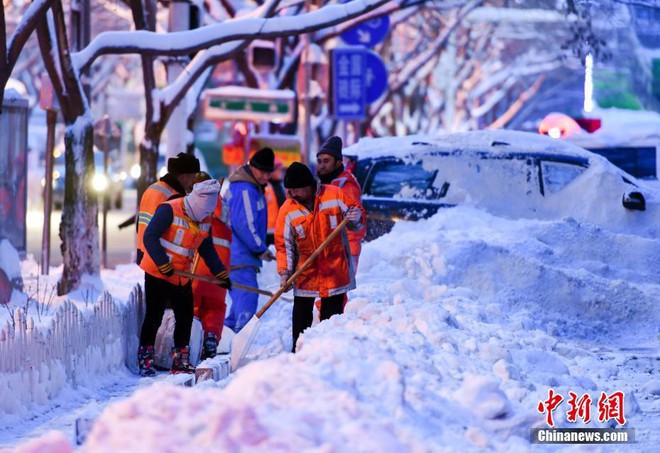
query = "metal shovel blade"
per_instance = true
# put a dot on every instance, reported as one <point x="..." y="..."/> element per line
<point x="242" y="342"/>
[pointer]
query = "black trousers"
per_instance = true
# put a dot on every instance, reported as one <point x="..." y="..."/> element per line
<point x="158" y="293"/>
<point x="303" y="312"/>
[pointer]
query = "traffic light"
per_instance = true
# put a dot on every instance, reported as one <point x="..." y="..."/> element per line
<point x="263" y="55"/>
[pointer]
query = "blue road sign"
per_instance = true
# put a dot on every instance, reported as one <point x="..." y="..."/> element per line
<point x="349" y="70"/>
<point x="376" y="78"/>
<point x="368" y="33"/>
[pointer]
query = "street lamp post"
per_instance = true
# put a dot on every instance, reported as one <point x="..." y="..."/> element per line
<point x="307" y="114"/>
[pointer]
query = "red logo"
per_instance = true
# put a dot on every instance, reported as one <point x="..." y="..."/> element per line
<point x="610" y="407"/>
<point x="550" y="405"/>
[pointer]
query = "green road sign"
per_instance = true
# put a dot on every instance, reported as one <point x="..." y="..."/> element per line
<point x="248" y="104"/>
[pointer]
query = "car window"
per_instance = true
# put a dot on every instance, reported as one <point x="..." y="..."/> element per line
<point x="557" y="175"/>
<point x="639" y="161"/>
<point x="397" y="179"/>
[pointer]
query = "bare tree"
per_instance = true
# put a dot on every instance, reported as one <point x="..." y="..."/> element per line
<point x="473" y="67"/>
<point x="11" y="50"/>
<point x="79" y="227"/>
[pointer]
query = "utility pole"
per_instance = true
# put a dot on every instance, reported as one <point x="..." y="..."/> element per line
<point x="307" y="102"/>
<point x="51" y="120"/>
<point x="179" y="20"/>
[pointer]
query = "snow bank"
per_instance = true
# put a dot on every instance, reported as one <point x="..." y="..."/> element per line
<point x="458" y="328"/>
<point x="450" y="341"/>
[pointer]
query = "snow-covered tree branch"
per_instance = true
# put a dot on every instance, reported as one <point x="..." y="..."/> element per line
<point x="184" y="43"/>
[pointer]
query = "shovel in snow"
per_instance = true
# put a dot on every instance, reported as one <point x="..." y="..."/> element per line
<point x="216" y="282"/>
<point x="244" y="339"/>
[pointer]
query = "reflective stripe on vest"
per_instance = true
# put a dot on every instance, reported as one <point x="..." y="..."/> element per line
<point x="333" y="204"/>
<point x="180" y="242"/>
<point x="340" y="181"/>
<point x="221" y="242"/>
<point x="290" y="252"/>
<point x="169" y="246"/>
<point x="155" y="194"/>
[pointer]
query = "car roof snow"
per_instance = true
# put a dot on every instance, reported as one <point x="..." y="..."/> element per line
<point x="491" y="142"/>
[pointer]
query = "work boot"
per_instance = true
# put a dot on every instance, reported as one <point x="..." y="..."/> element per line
<point x="181" y="361"/>
<point x="146" y="361"/>
<point x="210" y="346"/>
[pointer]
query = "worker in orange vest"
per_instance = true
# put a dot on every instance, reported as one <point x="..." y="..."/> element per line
<point x="209" y="299"/>
<point x="330" y="170"/>
<point x="305" y="220"/>
<point x="178" y="229"/>
<point x="177" y="182"/>
<point x="275" y="197"/>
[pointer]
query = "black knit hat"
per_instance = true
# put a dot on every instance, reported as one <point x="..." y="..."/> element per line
<point x="332" y="146"/>
<point x="298" y="176"/>
<point x="182" y="163"/>
<point x="263" y="160"/>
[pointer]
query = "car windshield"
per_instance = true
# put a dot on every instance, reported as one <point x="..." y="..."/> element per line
<point x="395" y="178"/>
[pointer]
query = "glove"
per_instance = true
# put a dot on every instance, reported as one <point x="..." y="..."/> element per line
<point x="166" y="269"/>
<point x="223" y="278"/>
<point x="283" y="279"/>
<point x="354" y="214"/>
<point x="267" y="256"/>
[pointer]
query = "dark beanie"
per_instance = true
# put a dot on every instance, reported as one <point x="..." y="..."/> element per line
<point x="298" y="176"/>
<point x="263" y="160"/>
<point x="332" y="146"/>
<point x="182" y="163"/>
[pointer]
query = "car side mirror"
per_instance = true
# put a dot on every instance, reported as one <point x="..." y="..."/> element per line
<point x="443" y="190"/>
<point x="634" y="201"/>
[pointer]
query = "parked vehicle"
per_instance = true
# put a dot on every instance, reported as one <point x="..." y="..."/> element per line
<point x="513" y="174"/>
<point x="627" y="138"/>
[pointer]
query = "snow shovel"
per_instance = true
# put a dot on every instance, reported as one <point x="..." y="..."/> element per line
<point x="244" y="339"/>
<point x="214" y="281"/>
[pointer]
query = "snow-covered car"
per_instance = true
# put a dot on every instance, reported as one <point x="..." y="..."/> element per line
<point x="508" y="173"/>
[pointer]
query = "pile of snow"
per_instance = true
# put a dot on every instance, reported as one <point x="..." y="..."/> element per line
<point x="449" y="343"/>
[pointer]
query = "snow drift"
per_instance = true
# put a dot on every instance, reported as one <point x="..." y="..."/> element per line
<point x="451" y="339"/>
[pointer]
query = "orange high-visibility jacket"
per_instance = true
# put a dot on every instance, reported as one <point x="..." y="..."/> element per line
<point x="298" y="234"/>
<point x="180" y="241"/>
<point x="347" y="181"/>
<point x="221" y="235"/>
<point x="273" y="207"/>
<point x="155" y="194"/>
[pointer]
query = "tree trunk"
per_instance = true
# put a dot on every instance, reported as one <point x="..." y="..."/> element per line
<point x="79" y="227"/>
<point x="148" y="162"/>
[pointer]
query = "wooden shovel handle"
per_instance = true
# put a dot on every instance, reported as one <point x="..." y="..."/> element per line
<point x="204" y="278"/>
<point x="302" y="268"/>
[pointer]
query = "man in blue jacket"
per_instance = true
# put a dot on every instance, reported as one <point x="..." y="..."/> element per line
<point x="249" y="219"/>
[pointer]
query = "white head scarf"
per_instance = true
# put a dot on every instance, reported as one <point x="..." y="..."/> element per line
<point x="201" y="202"/>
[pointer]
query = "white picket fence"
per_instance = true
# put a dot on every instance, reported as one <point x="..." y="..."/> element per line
<point x="76" y="346"/>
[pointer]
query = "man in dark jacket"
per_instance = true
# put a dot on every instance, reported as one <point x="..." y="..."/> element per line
<point x="179" y="228"/>
<point x="248" y="213"/>
<point x="177" y="182"/>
